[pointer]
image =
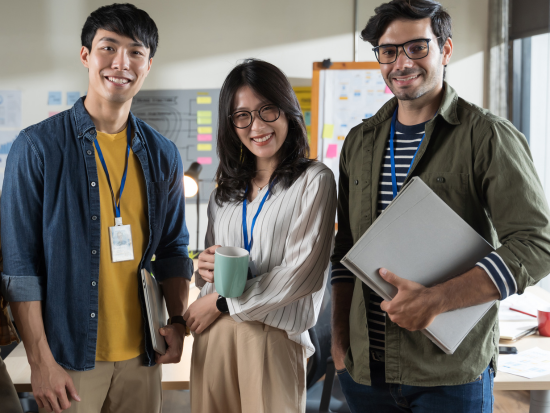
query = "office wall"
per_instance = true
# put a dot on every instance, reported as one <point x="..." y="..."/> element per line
<point x="200" y="41"/>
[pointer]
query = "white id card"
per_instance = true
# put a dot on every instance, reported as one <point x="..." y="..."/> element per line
<point x="122" y="248"/>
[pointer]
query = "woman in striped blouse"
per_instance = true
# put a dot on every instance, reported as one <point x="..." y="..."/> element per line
<point x="250" y="352"/>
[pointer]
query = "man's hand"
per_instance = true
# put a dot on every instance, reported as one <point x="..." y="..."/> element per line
<point x="174" y="335"/>
<point x="206" y="263"/>
<point x="202" y="313"/>
<point x="52" y="386"/>
<point x="414" y="307"/>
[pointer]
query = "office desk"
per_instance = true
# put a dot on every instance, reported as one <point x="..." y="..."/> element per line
<point x="174" y="376"/>
<point x="540" y="386"/>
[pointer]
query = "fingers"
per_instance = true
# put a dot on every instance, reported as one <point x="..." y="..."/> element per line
<point x="52" y="400"/>
<point x="207" y="275"/>
<point x="384" y="306"/>
<point x="72" y="390"/>
<point x="390" y="277"/>
<point x="62" y="398"/>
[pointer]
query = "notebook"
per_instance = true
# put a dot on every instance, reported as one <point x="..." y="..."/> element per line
<point x="420" y="238"/>
<point x="156" y="310"/>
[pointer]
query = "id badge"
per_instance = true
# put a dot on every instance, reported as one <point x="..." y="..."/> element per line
<point x="122" y="248"/>
<point x="252" y="272"/>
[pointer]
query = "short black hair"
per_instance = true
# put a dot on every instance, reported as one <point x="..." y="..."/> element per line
<point x="408" y="10"/>
<point x="124" y="19"/>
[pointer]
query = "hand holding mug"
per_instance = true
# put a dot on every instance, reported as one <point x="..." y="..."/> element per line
<point x="206" y="263"/>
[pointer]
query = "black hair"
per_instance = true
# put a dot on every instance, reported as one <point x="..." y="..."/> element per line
<point x="408" y="10"/>
<point x="124" y="19"/>
<point x="237" y="165"/>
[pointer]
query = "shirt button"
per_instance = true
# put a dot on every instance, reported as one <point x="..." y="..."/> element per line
<point x="89" y="152"/>
<point x="94" y="283"/>
<point x="356" y="182"/>
<point x="94" y="217"/>
<point x="440" y="179"/>
<point x="92" y="315"/>
<point x="93" y="184"/>
<point x="94" y="252"/>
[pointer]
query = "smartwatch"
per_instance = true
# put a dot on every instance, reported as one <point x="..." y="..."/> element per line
<point x="221" y="305"/>
<point x="178" y="319"/>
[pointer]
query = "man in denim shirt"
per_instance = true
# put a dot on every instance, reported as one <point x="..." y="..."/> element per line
<point x="72" y="182"/>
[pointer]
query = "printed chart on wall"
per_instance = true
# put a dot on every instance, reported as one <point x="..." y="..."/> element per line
<point x="346" y="97"/>
<point x="10" y="125"/>
<point x="189" y="118"/>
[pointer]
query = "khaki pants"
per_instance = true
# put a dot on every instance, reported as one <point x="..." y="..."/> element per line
<point x="117" y="387"/>
<point x="246" y="367"/>
<point x="9" y="401"/>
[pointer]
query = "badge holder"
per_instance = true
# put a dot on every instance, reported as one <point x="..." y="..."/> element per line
<point x="120" y="236"/>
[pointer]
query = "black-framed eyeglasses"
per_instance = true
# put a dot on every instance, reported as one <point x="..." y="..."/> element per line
<point x="414" y="50"/>
<point x="243" y="118"/>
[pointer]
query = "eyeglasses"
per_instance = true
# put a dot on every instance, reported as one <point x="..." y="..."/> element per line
<point x="414" y="50"/>
<point x="243" y="118"/>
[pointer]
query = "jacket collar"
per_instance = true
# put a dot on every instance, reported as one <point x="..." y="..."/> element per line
<point x="85" y="126"/>
<point x="447" y="109"/>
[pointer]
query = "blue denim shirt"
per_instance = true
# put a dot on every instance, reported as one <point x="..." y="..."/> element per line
<point x="51" y="226"/>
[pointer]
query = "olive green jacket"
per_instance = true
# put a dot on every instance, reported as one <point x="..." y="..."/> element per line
<point x="491" y="182"/>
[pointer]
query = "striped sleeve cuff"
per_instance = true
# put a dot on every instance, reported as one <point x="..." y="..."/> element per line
<point x="341" y="274"/>
<point x="499" y="274"/>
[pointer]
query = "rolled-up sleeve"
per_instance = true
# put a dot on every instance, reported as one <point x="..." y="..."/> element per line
<point x="172" y="255"/>
<point x="509" y="185"/>
<point x="307" y="252"/>
<point x="21" y="209"/>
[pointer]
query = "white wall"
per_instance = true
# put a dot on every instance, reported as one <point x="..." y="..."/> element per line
<point x="200" y="41"/>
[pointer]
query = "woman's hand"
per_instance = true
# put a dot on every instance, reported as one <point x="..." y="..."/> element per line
<point x="206" y="263"/>
<point x="202" y="313"/>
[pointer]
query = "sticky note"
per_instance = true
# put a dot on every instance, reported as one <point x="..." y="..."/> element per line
<point x="341" y="138"/>
<point x="72" y="97"/>
<point x="387" y="90"/>
<point x="204" y="114"/>
<point x="204" y="138"/>
<point x="205" y="160"/>
<point x="51" y="113"/>
<point x="307" y="117"/>
<point x="204" y="100"/>
<point x="204" y="147"/>
<point x="332" y="151"/>
<point x="54" y="98"/>
<point x="328" y="131"/>
<point x="204" y="121"/>
<point x="204" y="129"/>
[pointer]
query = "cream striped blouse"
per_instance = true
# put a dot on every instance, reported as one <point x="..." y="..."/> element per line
<point x="293" y="241"/>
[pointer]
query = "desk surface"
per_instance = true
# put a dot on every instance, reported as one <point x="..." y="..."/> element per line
<point x="176" y="376"/>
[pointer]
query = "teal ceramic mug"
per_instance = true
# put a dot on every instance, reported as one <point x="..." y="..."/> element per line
<point x="230" y="271"/>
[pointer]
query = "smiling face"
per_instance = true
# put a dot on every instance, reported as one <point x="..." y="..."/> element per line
<point x="263" y="139"/>
<point x="411" y="79"/>
<point x="117" y="66"/>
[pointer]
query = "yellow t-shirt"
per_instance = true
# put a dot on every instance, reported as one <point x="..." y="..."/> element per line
<point x="120" y="326"/>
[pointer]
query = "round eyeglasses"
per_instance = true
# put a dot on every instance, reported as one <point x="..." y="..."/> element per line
<point x="243" y="118"/>
<point x="414" y="50"/>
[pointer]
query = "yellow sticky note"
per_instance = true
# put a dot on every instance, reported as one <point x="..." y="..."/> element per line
<point x="204" y="121"/>
<point x="328" y="131"/>
<point x="204" y="129"/>
<point x="204" y="100"/>
<point x="204" y="147"/>
<point x="204" y="113"/>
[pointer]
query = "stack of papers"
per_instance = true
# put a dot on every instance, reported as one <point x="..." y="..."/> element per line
<point x="531" y="363"/>
<point x="514" y="330"/>
<point x="518" y="315"/>
<point x="525" y="304"/>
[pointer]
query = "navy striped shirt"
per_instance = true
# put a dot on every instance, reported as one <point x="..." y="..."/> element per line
<point x="406" y="141"/>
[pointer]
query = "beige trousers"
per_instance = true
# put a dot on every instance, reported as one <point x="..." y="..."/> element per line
<point x="117" y="387"/>
<point x="246" y="367"/>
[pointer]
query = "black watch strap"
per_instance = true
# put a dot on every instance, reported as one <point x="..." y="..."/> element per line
<point x="221" y="305"/>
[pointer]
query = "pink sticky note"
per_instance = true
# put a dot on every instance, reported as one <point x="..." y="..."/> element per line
<point x="205" y="161"/>
<point x="50" y="114"/>
<point x="332" y="151"/>
<point x="387" y="90"/>
<point x="204" y="138"/>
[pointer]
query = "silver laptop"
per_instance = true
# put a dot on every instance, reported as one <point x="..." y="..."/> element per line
<point x="156" y="310"/>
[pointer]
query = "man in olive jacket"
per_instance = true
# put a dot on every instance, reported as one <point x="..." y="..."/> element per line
<point x="480" y="165"/>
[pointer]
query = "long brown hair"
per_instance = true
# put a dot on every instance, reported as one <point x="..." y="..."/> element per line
<point x="237" y="165"/>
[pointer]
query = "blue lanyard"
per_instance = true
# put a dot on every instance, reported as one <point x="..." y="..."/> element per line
<point x="123" y="182"/>
<point x="247" y="245"/>
<point x="392" y="154"/>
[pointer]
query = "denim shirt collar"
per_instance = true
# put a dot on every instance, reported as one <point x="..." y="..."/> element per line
<point x="85" y="127"/>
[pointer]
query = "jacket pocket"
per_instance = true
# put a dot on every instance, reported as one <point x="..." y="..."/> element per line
<point x="451" y="187"/>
